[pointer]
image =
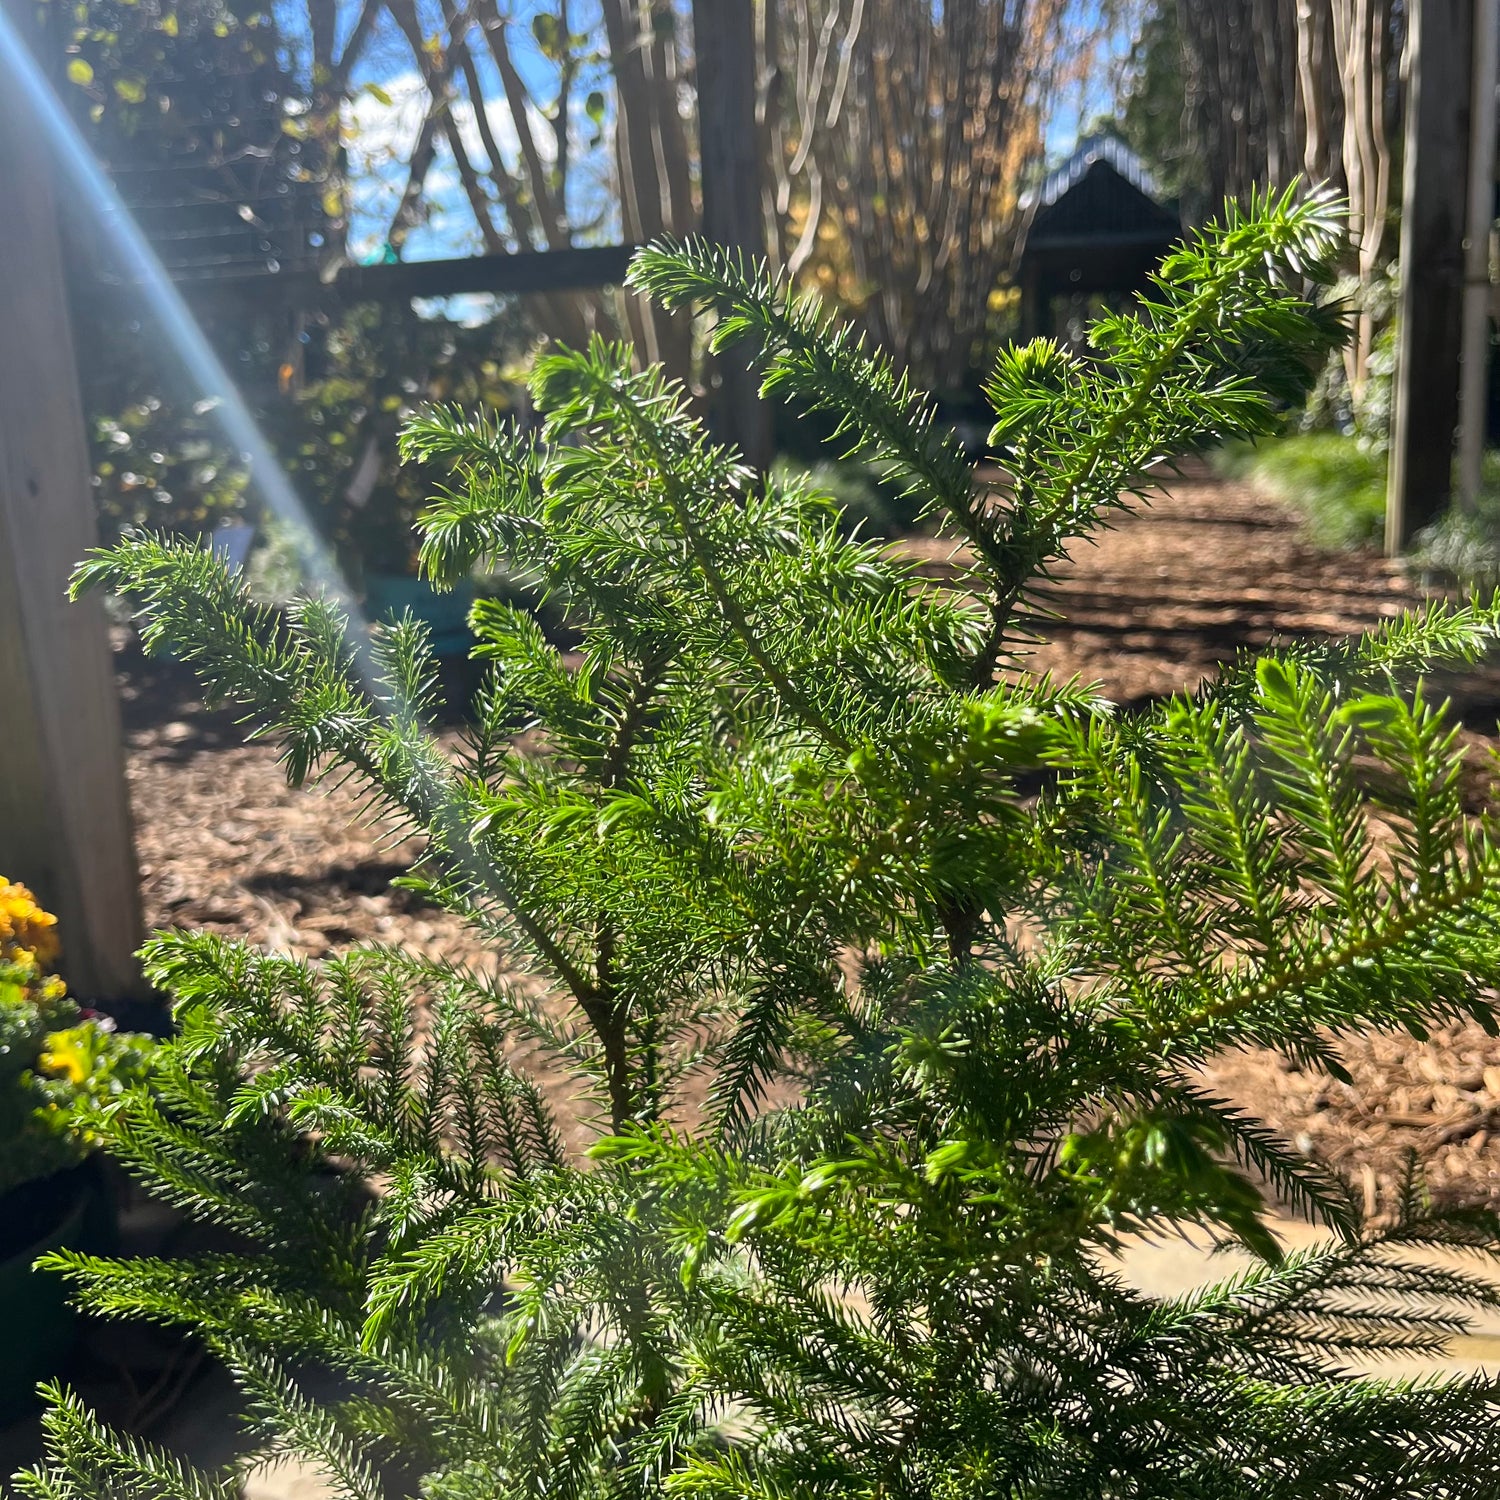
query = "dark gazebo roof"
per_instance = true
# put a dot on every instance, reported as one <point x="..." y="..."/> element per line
<point x="1096" y="224"/>
<point x="1101" y="194"/>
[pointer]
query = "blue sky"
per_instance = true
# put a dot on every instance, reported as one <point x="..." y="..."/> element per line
<point x="387" y="109"/>
<point x="1076" y="108"/>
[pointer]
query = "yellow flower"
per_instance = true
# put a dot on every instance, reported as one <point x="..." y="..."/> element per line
<point x="72" y="1054"/>
<point x="25" y="929"/>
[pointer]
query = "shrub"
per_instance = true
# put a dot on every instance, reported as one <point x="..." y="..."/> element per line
<point x="1334" y="483"/>
<point x="857" y="490"/>
<point x="52" y="1055"/>
<point x="165" y="465"/>
<point x="1462" y="548"/>
<point x="884" y="966"/>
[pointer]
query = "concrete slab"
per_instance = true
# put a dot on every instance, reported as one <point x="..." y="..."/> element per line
<point x="1174" y="1266"/>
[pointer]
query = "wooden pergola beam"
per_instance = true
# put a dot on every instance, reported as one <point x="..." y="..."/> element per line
<point x="524" y="272"/>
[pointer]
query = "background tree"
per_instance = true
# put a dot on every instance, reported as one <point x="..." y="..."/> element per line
<point x="1153" y="105"/>
<point x="234" y="163"/>
<point x="1271" y="89"/>
<point x="899" y="137"/>
<point x="186" y="102"/>
<point x="193" y="110"/>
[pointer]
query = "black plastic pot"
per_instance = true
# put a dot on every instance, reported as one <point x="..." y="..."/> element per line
<point x="68" y="1211"/>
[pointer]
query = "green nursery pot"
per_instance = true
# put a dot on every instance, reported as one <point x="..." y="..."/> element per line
<point x="70" y="1211"/>
<point x="445" y="615"/>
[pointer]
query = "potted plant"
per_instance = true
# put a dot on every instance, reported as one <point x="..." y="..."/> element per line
<point x="53" y="1054"/>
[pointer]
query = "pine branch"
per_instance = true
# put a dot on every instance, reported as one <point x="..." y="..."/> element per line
<point x="85" y="1458"/>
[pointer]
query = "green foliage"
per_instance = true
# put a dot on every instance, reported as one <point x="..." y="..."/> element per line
<point x="163" y="464"/>
<point x="366" y="373"/>
<point x="1463" y="547"/>
<point x="34" y="1139"/>
<point x="858" y="490"/>
<point x="1333" y="482"/>
<point x="1154" y="87"/>
<point x="231" y="163"/>
<point x="877" y="969"/>
<point x="1334" y="403"/>
<point x="188" y="105"/>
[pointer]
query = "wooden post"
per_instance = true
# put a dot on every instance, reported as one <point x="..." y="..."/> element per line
<point x="729" y="157"/>
<point x="1474" y="376"/>
<point x="1031" y="304"/>
<point x="64" y="812"/>
<point x="1429" y="316"/>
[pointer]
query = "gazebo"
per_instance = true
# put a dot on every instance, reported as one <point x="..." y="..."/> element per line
<point x="1093" y="230"/>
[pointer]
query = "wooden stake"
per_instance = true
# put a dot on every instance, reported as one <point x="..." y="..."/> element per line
<point x="1474" y="376"/>
<point x="64" y="813"/>
<point x="1425" y="407"/>
<point x="729" y="153"/>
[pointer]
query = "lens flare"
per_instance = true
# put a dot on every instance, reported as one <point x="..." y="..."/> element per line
<point x="141" y="269"/>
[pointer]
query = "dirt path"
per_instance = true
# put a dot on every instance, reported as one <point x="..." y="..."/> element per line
<point x="1210" y="569"/>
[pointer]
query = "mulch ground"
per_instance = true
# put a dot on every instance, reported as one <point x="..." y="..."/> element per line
<point x="1210" y="569"/>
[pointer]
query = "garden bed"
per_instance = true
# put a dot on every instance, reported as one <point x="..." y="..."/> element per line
<point x="1211" y="569"/>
